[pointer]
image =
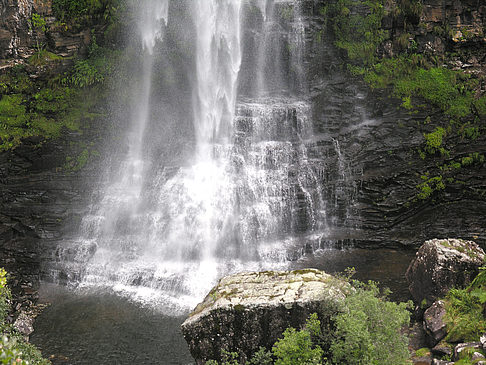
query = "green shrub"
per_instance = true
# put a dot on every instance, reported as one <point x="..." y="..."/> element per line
<point x="429" y="186"/>
<point x="228" y="358"/>
<point x="464" y="315"/>
<point x="5" y="297"/>
<point x="82" y="11"/>
<point x="424" y="351"/>
<point x="365" y="330"/>
<point x="434" y="140"/>
<point x="42" y="57"/>
<point x="368" y="331"/>
<point x="261" y="357"/>
<point x="296" y="347"/>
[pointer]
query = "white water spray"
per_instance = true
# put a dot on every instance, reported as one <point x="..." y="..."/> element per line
<point x="244" y="199"/>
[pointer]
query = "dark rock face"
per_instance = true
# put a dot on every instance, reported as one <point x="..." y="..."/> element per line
<point x="434" y="324"/>
<point x="365" y="145"/>
<point x="442" y="349"/>
<point x="440" y="265"/>
<point x="249" y="310"/>
<point x="18" y="39"/>
<point x="39" y="203"/>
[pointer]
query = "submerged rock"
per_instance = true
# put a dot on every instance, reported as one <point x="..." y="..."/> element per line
<point x="249" y="310"/>
<point x="441" y="264"/>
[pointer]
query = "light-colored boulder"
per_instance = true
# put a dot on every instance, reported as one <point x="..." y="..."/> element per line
<point x="249" y="310"/>
<point x="442" y="264"/>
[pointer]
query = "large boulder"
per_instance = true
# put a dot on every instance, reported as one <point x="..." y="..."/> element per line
<point x="442" y="264"/>
<point x="249" y="310"/>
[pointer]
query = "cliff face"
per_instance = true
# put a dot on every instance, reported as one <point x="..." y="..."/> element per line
<point x="39" y="193"/>
<point x="19" y="38"/>
<point x="15" y="33"/>
<point x="385" y="191"/>
<point x="365" y="151"/>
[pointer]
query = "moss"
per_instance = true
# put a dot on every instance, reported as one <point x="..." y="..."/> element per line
<point x="472" y="159"/>
<point x="480" y="105"/>
<point x="239" y="308"/>
<point x="43" y="57"/>
<point x="429" y="186"/>
<point x="434" y="141"/>
<point x="43" y="109"/>
<point x="424" y="351"/>
<point x="356" y="34"/>
<point x="12" y="111"/>
<point x="16" y="82"/>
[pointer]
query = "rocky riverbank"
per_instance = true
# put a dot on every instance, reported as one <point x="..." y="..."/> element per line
<point x="248" y="312"/>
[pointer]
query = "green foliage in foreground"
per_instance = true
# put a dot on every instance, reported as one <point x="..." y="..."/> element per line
<point x="366" y="331"/>
<point x="13" y="348"/>
<point x="465" y="310"/>
<point x="296" y="347"/>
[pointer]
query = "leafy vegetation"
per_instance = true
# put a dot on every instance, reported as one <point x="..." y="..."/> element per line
<point x="43" y="113"/>
<point x="43" y="109"/>
<point x="429" y="186"/>
<point x="424" y="351"/>
<point x="13" y="348"/>
<point x="465" y="311"/>
<point x="296" y="347"/>
<point x="358" y="35"/>
<point x="418" y="79"/>
<point x="84" y="11"/>
<point x="368" y="330"/>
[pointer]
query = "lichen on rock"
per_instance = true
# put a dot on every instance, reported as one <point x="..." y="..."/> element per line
<point x="442" y="264"/>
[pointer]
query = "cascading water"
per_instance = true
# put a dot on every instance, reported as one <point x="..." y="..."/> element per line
<point x="250" y="191"/>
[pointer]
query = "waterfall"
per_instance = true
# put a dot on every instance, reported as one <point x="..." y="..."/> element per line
<point x="218" y="59"/>
<point x="247" y="199"/>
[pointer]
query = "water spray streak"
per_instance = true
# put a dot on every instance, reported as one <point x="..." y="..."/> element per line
<point x="250" y="190"/>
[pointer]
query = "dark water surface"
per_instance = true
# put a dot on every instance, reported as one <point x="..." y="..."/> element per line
<point x="106" y="329"/>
